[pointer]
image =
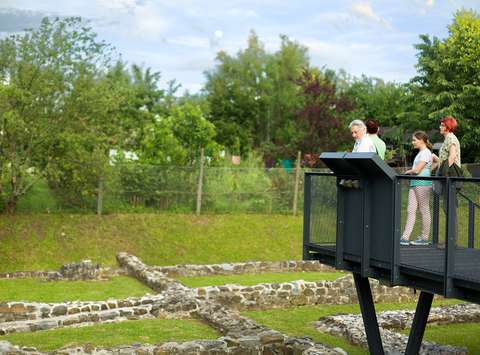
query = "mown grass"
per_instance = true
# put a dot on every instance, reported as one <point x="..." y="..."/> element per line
<point x="35" y="290"/>
<point x="254" y="279"/>
<point x="150" y="331"/>
<point x="47" y="241"/>
<point x="298" y="321"/>
<point x="455" y="334"/>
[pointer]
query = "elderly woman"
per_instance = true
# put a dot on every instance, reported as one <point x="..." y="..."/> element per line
<point x="449" y="153"/>
<point x="363" y="143"/>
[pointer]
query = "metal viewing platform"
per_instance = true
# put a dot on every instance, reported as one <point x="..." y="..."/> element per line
<point x="354" y="218"/>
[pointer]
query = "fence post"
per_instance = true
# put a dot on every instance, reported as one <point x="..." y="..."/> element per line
<point x="100" y="197"/>
<point x="297" y="181"/>
<point x="200" y="182"/>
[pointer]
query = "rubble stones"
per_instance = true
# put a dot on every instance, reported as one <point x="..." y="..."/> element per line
<point x="217" y="306"/>
<point x="351" y="327"/>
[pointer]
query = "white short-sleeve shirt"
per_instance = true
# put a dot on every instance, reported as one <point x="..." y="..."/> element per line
<point x="423" y="155"/>
<point x="364" y="145"/>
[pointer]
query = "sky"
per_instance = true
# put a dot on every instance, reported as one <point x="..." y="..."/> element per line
<point x="180" y="38"/>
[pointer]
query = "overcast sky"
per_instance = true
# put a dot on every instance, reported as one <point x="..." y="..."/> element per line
<point x="180" y="38"/>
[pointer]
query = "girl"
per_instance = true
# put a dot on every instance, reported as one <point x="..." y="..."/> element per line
<point x="419" y="193"/>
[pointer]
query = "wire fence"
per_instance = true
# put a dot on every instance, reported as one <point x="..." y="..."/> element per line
<point x="218" y="190"/>
<point x="132" y="187"/>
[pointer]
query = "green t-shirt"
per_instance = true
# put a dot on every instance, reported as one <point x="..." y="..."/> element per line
<point x="380" y="146"/>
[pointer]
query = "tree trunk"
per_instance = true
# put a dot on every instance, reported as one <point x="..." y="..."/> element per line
<point x="11" y="206"/>
<point x="12" y="199"/>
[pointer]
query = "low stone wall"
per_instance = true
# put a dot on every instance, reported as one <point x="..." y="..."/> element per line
<point x="218" y="306"/>
<point x="84" y="270"/>
<point x="266" y="344"/>
<point x="22" y="311"/>
<point x="299" y="293"/>
<point x="252" y="267"/>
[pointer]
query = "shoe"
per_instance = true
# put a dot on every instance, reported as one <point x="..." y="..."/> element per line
<point x="420" y="242"/>
<point x="404" y="242"/>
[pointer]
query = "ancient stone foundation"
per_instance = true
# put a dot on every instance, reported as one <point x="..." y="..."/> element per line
<point x="217" y="306"/>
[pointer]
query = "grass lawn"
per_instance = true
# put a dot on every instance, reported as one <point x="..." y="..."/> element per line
<point x="297" y="321"/>
<point x="456" y="334"/>
<point x="254" y="279"/>
<point x="150" y="331"/>
<point x="47" y="241"/>
<point x="36" y="290"/>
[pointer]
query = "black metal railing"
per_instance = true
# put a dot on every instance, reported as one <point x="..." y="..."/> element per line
<point x="453" y="250"/>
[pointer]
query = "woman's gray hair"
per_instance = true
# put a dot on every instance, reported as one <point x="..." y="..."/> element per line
<point x="358" y="123"/>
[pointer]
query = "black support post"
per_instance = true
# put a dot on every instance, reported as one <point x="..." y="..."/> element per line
<point x="368" y="313"/>
<point x="306" y="214"/>
<point x="419" y="323"/>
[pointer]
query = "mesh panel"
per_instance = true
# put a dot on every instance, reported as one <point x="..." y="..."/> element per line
<point x="467" y="252"/>
<point x="422" y="226"/>
<point x="323" y="210"/>
<point x="224" y="189"/>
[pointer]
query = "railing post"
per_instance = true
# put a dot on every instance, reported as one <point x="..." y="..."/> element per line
<point x="471" y="224"/>
<point x="307" y="193"/>
<point x="450" y="238"/>
<point x="339" y="263"/>
<point x="436" y="213"/>
<point x="396" y="237"/>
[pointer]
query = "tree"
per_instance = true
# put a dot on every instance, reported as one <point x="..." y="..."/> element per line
<point x="322" y="116"/>
<point x="253" y="96"/>
<point x="177" y="138"/>
<point x="234" y="93"/>
<point x="448" y="80"/>
<point x="374" y="98"/>
<point x="37" y="72"/>
<point x="95" y="127"/>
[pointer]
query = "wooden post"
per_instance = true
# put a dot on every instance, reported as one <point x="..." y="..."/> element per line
<point x="297" y="182"/>
<point x="100" y="197"/>
<point x="200" y="182"/>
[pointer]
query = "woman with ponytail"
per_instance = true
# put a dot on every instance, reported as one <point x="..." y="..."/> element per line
<point x="419" y="193"/>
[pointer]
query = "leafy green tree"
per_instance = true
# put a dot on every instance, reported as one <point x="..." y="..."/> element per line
<point x="375" y="98"/>
<point x="82" y="162"/>
<point x="177" y="138"/>
<point x="253" y="96"/>
<point x="234" y="93"/>
<point x="37" y="72"/>
<point x="448" y="81"/>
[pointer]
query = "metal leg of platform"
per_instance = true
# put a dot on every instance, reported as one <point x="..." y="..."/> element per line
<point x="419" y="323"/>
<point x="368" y="313"/>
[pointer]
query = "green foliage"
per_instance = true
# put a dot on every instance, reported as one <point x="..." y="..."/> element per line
<point x="253" y="96"/>
<point x="243" y="188"/>
<point x="154" y="186"/>
<point x="40" y="73"/>
<point x="447" y="80"/>
<point x="374" y="98"/>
